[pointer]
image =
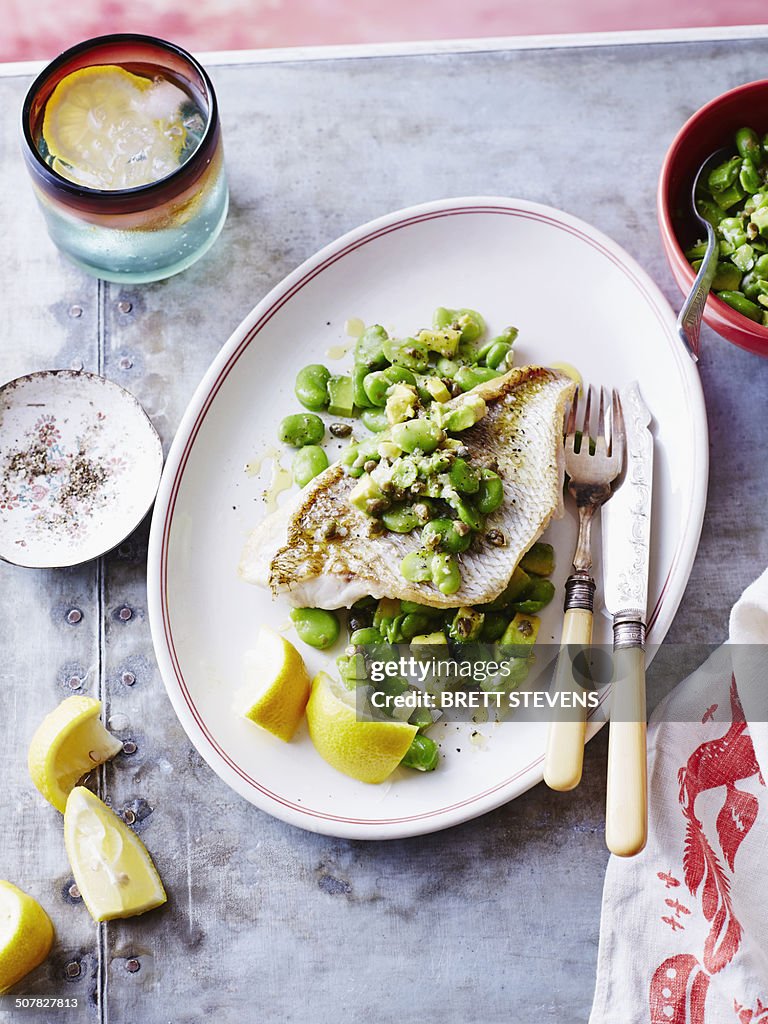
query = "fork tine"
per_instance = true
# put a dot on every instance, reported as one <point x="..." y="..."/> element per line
<point x="585" y="435"/>
<point x="601" y="414"/>
<point x="617" y="427"/>
<point x="570" y="424"/>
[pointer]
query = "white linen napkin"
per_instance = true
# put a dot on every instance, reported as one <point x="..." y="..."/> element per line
<point x="684" y="927"/>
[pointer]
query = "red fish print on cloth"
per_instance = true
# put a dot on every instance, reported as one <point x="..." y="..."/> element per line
<point x="713" y="765"/>
<point x="679" y="985"/>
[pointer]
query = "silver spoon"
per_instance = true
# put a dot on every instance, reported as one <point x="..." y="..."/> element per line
<point x="689" y="320"/>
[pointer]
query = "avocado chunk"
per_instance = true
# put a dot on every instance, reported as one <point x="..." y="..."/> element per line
<point x="401" y="403"/>
<point x="366" y="490"/>
<point x="539" y="559"/>
<point x="341" y="396"/>
<point x="512" y="592"/>
<point x="466" y="413"/>
<point x="435" y="389"/>
<point x="467" y="625"/>
<point x="429" y="638"/>
<point x="521" y="632"/>
<point x="760" y="220"/>
<point x="536" y="596"/>
<point x="388" y="608"/>
<point x="444" y="341"/>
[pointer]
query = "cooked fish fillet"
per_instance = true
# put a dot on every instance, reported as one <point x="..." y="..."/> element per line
<point x="521" y="436"/>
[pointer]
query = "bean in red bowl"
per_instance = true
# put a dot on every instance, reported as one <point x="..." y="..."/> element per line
<point x="713" y="126"/>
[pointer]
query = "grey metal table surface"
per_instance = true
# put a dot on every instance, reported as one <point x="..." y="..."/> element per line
<point x="496" y="920"/>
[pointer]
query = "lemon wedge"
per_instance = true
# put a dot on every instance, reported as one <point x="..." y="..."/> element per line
<point x="368" y="751"/>
<point x="69" y="742"/>
<point x="108" y="128"/>
<point x="112" y="869"/>
<point x="26" y="935"/>
<point x="277" y="688"/>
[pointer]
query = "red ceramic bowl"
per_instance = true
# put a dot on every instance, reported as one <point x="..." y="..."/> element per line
<point x="711" y="127"/>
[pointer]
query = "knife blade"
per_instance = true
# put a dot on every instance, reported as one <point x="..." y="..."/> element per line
<point x="626" y="518"/>
<point x="626" y="526"/>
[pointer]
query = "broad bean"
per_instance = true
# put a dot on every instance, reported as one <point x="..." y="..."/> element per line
<point x="445" y="572"/>
<point x="419" y="433"/>
<point x="308" y="462"/>
<point x="316" y="626"/>
<point x="423" y="754"/>
<point x="446" y="535"/>
<point x="491" y="492"/>
<point x="302" y="428"/>
<point x="311" y="386"/>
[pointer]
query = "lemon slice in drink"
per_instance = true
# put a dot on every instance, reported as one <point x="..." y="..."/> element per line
<point x="368" y="751"/>
<point x="277" y="688"/>
<point x="108" y="128"/>
<point x="69" y="742"/>
<point x="112" y="869"/>
<point x="26" y="935"/>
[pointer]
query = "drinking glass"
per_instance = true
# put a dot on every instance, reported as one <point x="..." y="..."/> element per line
<point x="100" y="218"/>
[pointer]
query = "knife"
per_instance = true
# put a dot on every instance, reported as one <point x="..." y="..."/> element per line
<point x="626" y="524"/>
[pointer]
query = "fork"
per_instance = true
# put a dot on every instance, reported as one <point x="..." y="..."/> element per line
<point x="591" y="479"/>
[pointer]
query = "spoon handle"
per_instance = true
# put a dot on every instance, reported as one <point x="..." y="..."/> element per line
<point x="689" y="320"/>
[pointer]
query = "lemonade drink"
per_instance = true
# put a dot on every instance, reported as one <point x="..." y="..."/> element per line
<point x="123" y="143"/>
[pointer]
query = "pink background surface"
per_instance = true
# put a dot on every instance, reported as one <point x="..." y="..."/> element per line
<point x="43" y="28"/>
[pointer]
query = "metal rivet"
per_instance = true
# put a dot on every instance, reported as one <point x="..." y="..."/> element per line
<point x="74" y="615"/>
<point x="74" y="892"/>
<point x="129" y="817"/>
<point x="74" y="682"/>
<point x="125" y="613"/>
<point x="75" y="311"/>
<point x="128" y="678"/>
<point x="129" y="747"/>
<point x="124" y="306"/>
<point x="73" y="969"/>
<point x="76" y="365"/>
<point x="125" y="363"/>
<point x="132" y="966"/>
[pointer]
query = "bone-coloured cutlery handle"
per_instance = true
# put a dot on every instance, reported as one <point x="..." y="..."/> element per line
<point x="626" y="811"/>
<point x="565" y="741"/>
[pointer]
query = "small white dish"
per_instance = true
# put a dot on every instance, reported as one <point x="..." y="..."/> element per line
<point x="80" y="464"/>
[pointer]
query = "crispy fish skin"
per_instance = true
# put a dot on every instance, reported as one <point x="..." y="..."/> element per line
<point x="323" y="552"/>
